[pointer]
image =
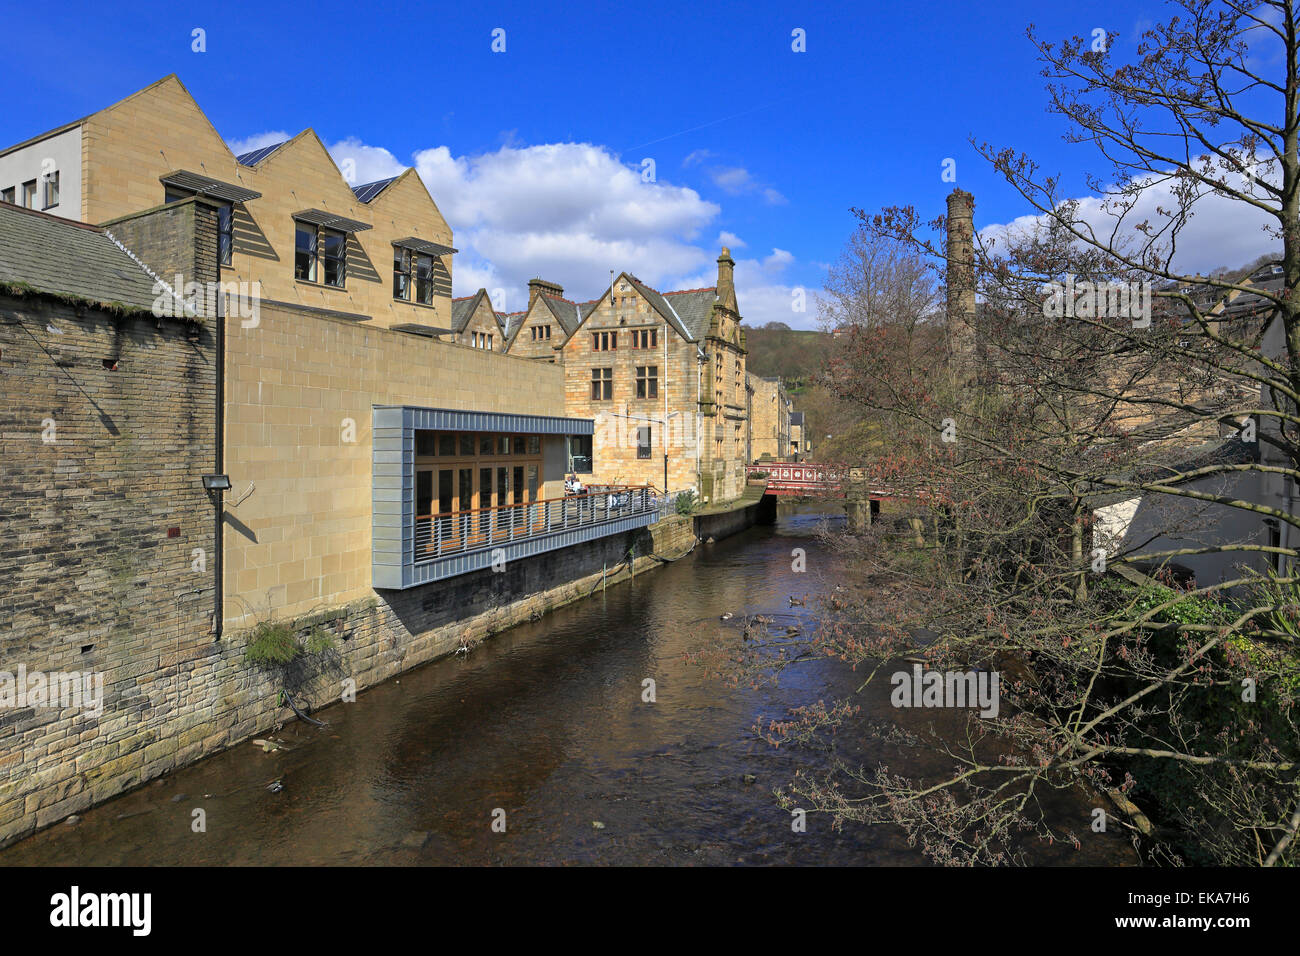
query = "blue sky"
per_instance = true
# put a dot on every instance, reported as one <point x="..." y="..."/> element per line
<point x="535" y="155"/>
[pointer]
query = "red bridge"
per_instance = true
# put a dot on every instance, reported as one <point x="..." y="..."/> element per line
<point x="813" y="480"/>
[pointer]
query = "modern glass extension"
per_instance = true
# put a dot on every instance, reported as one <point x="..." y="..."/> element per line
<point x="453" y="491"/>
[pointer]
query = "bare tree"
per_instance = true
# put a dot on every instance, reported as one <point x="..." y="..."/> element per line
<point x="1186" y="404"/>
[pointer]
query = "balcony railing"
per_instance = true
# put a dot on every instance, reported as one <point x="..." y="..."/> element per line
<point x="457" y="532"/>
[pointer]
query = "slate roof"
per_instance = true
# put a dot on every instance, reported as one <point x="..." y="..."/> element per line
<point x="695" y="307"/>
<point x="255" y="156"/>
<point x="463" y="308"/>
<point x="1225" y="451"/>
<point x="369" y="191"/>
<point x="567" y="313"/>
<point x="60" y="257"/>
<point x="660" y="305"/>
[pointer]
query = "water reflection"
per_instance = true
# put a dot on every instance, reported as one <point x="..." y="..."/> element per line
<point x="546" y="723"/>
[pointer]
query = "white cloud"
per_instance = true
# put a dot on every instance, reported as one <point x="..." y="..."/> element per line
<point x="1220" y="231"/>
<point x="696" y="157"/>
<point x="761" y="300"/>
<point x="778" y="260"/>
<point x="369" y="162"/>
<point x="257" y="141"/>
<point x="569" y="212"/>
<point x="738" y="181"/>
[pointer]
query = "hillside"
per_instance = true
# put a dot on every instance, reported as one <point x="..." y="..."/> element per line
<point x="777" y="350"/>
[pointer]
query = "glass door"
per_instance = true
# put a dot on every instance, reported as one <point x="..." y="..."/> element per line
<point x="444" y="505"/>
<point x="423" y="509"/>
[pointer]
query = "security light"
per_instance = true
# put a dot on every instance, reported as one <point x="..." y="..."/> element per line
<point x="216" y="483"/>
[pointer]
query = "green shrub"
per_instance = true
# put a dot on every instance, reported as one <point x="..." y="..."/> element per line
<point x="272" y="643"/>
<point x="319" y="641"/>
<point x="686" y="501"/>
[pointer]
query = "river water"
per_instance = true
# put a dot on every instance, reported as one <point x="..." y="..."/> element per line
<point x="546" y="722"/>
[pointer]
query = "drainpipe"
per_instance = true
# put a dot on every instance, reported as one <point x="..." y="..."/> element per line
<point x="219" y="591"/>
<point x="698" y="420"/>
<point x="667" y="329"/>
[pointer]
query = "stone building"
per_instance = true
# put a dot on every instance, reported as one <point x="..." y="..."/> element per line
<point x="769" y="417"/>
<point x="539" y="332"/>
<point x="475" y="323"/>
<point x="257" y="423"/>
<point x="663" y="377"/>
<point x="799" y="445"/>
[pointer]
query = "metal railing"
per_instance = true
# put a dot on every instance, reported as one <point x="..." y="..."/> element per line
<point x="456" y="532"/>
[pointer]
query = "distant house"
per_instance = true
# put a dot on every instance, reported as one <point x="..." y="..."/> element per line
<point x="1143" y="527"/>
<point x="769" y="419"/>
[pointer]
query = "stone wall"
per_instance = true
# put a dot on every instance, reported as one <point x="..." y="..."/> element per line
<point x="206" y="697"/>
<point x="106" y="428"/>
<point x="179" y="238"/>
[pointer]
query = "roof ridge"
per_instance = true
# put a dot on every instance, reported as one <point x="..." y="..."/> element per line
<point x="707" y="288"/>
<point x="89" y="227"/>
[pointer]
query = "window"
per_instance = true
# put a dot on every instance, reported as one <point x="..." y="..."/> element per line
<point x="602" y="384"/>
<point x="401" y="273"/>
<point x="29" y="194"/>
<point x="7" y="195"/>
<point x="313" y="243"/>
<point x="482" y="340"/>
<point x="643" y="442"/>
<point x="334" y="246"/>
<point x="580" y="454"/>
<point x="304" y="253"/>
<point x="645" y="338"/>
<point x="1274" y="541"/>
<point x="647" y="381"/>
<point x="604" y="341"/>
<point x="51" y="197"/>
<point x="225" y="224"/>
<point x="424" y="279"/>
<point x="541" y="333"/>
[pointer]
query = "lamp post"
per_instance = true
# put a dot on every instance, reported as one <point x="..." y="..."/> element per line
<point x="664" y="423"/>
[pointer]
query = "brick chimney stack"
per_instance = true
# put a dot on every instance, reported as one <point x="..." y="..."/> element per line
<point x="538" y="287"/>
<point x="961" y="273"/>
<point x="727" y="281"/>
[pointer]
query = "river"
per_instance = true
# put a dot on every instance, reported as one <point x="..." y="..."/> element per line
<point x="546" y="722"/>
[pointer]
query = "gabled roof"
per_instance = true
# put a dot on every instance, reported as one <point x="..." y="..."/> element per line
<point x="63" y="258"/>
<point x="255" y="156"/>
<point x="661" y="305"/>
<point x="463" y="309"/>
<point x="510" y="322"/>
<point x="369" y="191"/>
<point x="568" y="314"/>
<point x="695" y="306"/>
